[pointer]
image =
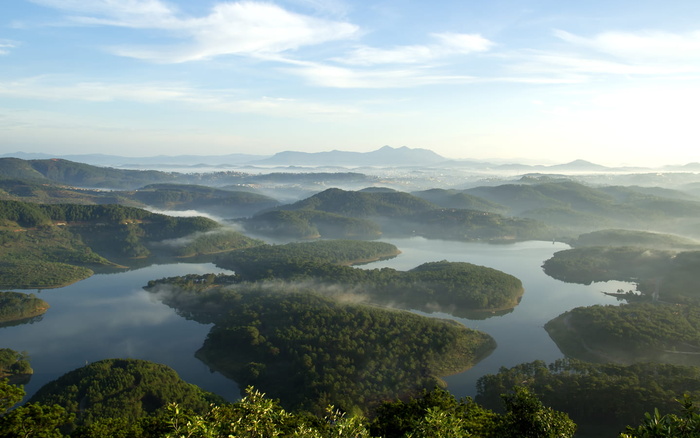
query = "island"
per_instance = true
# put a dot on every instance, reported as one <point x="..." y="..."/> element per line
<point x="311" y="350"/>
<point x="17" y="306"/>
<point x="15" y="366"/>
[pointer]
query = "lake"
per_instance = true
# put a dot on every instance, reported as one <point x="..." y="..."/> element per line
<point x="110" y="316"/>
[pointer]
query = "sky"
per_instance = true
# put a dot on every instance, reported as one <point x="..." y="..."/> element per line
<point x="612" y="82"/>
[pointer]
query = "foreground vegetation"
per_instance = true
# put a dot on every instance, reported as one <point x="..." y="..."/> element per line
<point x="434" y="413"/>
<point x="600" y="398"/>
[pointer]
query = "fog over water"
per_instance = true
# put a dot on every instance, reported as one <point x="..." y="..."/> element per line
<point x="110" y="315"/>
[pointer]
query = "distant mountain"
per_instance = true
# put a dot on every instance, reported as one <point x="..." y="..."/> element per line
<point x="578" y="165"/>
<point x="159" y="160"/>
<point x="384" y="157"/>
<point x="575" y="166"/>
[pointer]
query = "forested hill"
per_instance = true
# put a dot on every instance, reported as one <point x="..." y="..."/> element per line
<point x="363" y="203"/>
<point x="79" y="174"/>
<point x="389" y="213"/>
<point x="577" y="208"/>
<point x="58" y="244"/>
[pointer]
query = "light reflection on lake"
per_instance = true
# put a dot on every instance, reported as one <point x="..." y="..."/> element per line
<point x="110" y="316"/>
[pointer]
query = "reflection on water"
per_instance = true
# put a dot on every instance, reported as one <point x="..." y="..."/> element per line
<point x="110" y="315"/>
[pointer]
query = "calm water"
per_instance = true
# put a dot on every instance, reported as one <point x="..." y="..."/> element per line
<point x="110" y="315"/>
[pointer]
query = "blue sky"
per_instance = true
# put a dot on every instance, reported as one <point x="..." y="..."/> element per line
<point x="614" y="82"/>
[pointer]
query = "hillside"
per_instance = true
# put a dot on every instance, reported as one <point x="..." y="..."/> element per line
<point x="392" y="214"/>
<point x="51" y="245"/>
<point x="128" y="389"/>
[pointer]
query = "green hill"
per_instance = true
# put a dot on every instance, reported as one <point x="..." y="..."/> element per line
<point x="121" y="388"/>
<point x="459" y="199"/>
<point x="576" y="207"/>
<point x="50" y="245"/>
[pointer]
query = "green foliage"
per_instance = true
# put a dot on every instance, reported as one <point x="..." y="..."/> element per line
<point x="35" y="421"/>
<point x="602" y="397"/>
<point x="121" y="388"/>
<point x="633" y="332"/>
<point x="526" y="417"/>
<point x="363" y="204"/>
<point x="335" y="213"/>
<point x="59" y="243"/>
<point x="306" y="224"/>
<point x="215" y="242"/>
<point x="16" y="305"/>
<point x="574" y="208"/>
<point x="587" y="264"/>
<point x="311" y="350"/>
<point x="13" y="362"/>
<point x="10" y="395"/>
<point x="627" y="238"/>
<point x="457" y="288"/>
<point x="686" y="425"/>
<point x="434" y="413"/>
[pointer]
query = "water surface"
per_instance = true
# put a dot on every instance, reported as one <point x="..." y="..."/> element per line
<point x="111" y="316"/>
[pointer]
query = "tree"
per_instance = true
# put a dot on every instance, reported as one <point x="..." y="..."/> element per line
<point x="526" y="417"/>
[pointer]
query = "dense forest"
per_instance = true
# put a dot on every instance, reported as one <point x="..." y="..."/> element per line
<point x="51" y="245"/>
<point x="125" y="389"/>
<point x="88" y="409"/>
<point x="630" y="333"/>
<point x="16" y="306"/>
<point x="456" y="288"/>
<point x="310" y="351"/>
<point x="368" y="213"/>
<point x="600" y="398"/>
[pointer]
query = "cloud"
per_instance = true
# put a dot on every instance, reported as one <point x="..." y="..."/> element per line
<point x="326" y="75"/>
<point x="6" y="45"/>
<point x="448" y="44"/>
<point x="60" y="88"/>
<point x="648" y="53"/>
<point x="241" y="28"/>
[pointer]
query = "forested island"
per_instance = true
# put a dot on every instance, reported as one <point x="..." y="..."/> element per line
<point x="630" y="333"/>
<point x="16" y="306"/>
<point x="14" y="366"/>
<point x="456" y="288"/>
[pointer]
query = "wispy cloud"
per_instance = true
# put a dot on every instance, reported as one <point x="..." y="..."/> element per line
<point x="647" y="53"/>
<point x="220" y="100"/>
<point x="327" y="75"/>
<point x="6" y="46"/>
<point x="448" y="44"/>
<point x="241" y="28"/>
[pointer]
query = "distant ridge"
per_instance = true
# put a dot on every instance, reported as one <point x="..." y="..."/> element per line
<point x="383" y="157"/>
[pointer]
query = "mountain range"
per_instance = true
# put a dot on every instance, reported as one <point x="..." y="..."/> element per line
<point x="385" y="156"/>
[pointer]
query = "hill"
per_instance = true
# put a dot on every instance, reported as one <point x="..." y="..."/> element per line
<point x="121" y="388"/>
<point x="50" y="245"/>
<point x="392" y="213"/>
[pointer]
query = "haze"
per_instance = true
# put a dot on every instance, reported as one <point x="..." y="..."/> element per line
<point x="612" y="82"/>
